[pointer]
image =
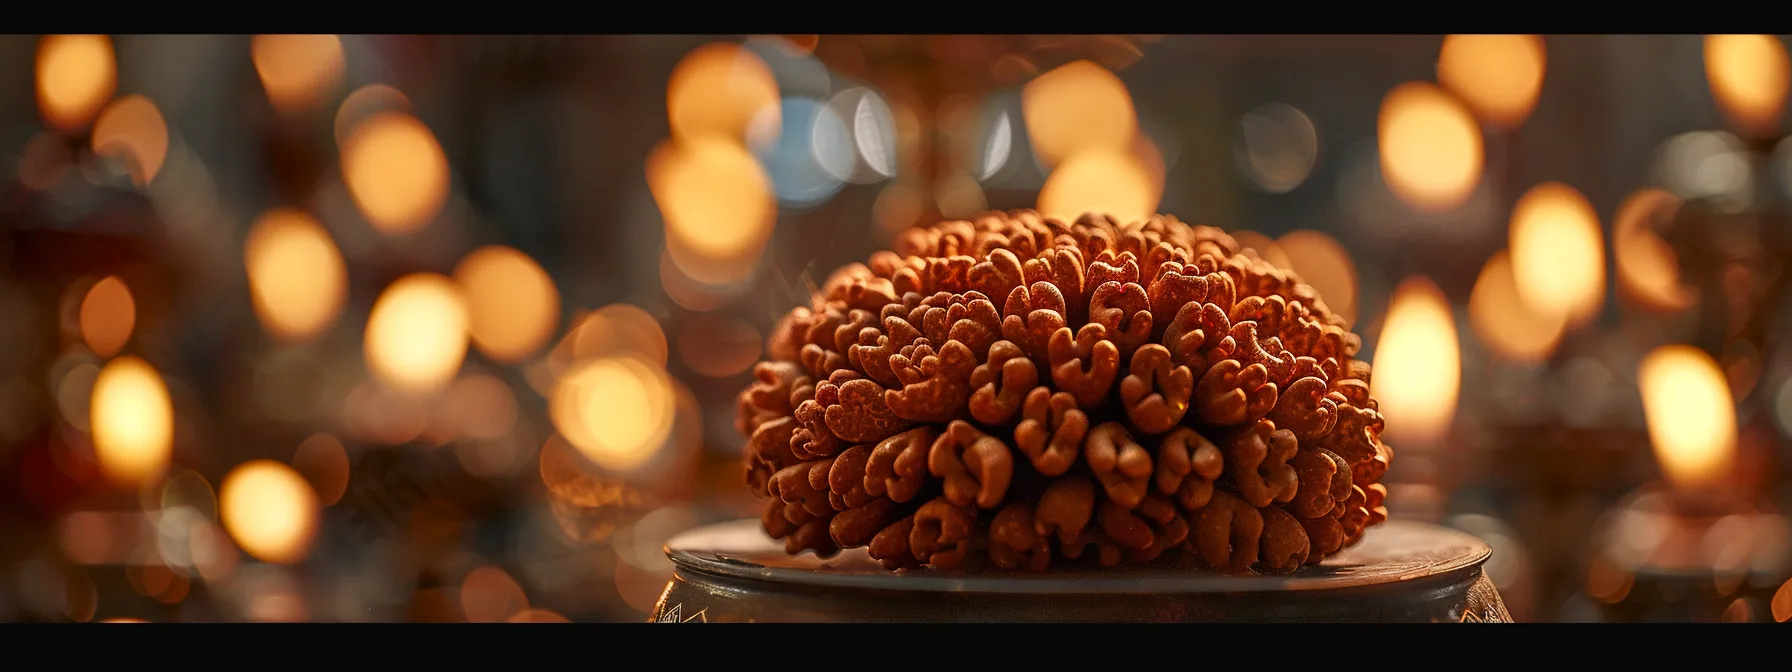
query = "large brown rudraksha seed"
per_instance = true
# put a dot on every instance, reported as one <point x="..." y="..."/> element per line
<point x="1021" y="392"/>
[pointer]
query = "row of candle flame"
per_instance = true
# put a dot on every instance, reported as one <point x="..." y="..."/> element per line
<point x="614" y="400"/>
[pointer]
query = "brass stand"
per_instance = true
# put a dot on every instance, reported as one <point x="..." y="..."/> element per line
<point x="1401" y="572"/>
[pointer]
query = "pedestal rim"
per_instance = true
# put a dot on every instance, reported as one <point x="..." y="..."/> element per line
<point x="734" y="550"/>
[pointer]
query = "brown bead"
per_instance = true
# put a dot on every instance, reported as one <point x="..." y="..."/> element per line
<point x="1014" y="389"/>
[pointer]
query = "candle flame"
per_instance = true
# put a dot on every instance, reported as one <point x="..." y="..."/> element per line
<point x="1749" y="76"/>
<point x="1418" y="368"/>
<point x="1691" y="418"/>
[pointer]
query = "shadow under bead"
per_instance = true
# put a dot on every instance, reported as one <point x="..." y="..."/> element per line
<point x="1025" y="393"/>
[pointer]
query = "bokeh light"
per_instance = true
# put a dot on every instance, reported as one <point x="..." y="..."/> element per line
<point x="269" y="510"/>
<point x="297" y="278"/>
<point x="366" y="102"/>
<point x="959" y="196"/>
<point x="74" y="395"/>
<point x="691" y="294"/>
<point x="1508" y="326"/>
<point x="297" y="70"/>
<point x="383" y="415"/>
<point x="716" y="200"/>
<point x="798" y="73"/>
<point x="898" y="206"/>
<point x="997" y="149"/>
<point x="489" y="595"/>
<point x="813" y="138"/>
<point x="538" y="616"/>
<point x="720" y="347"/>
<point x="1712" y="166"/>
<point x="620" y="329"/>
<point x="417" y="333"/>
<point x="1263" y="247"/>
<point x="182" y="492"/>
<point x="617" y="411"/>
<point x="800" y="44"/>
<point x="721" y="89"/>
<point x="322" y="460"/>
<point x="132" y="129"/>
<point x="1749" y="77"/>
<point x="132" y="421"/>
<point x="853" y="137"/>
<point x="1558" y="252"/>
<point x="479" y="406"/>
<point x="76" y="75"/>
<point x="1497" y="75"/>
<point x="586" y="503"/>
<point x="108" y="315"/>
<point x="1691" y="418"/>
<point x="164" y="584"/>
<point x="1648" y="270"/>
<point x="1277" y="147"/>
<point x="1782" y="603"/>
<point x="1118" y="183"/>
<point x="873" y="131"/>
<point x="1321" y="261"/>
<point x="512" y="304"/>
<point x="1431" y="147"/>
<point x="396" y="172"/>
<point x="1079" y="107"/>
<point x="1737" y="612"/>
<point x="1418" y="367"/>
<point x="1608" y="582"/>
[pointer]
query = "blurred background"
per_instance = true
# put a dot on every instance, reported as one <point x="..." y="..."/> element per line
<point x="434" y="328"/>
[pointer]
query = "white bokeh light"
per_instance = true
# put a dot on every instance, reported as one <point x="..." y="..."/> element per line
<point x="799" y="176"/>
<point x="997" y="149"/>
<point x="854" y="137"/>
